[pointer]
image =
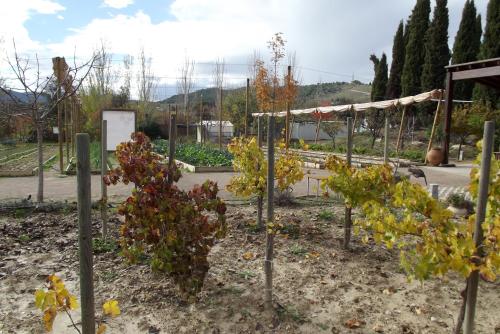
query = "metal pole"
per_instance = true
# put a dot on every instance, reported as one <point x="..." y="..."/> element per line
<point x="201" y="119"/>
<point x="347" y="219"/>
<point x="66" y="129"/>
<point x="171" y="144"/>
<point x="104" y="170"/>
<point x="268" y="263"/>
<point x="85" y="233"/>
<point x="482" y="198"/>
<point x="386" y="141"/>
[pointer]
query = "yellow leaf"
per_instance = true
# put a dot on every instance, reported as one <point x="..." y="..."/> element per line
<point x="39" y="298"/>
<point x="101" y="329"/>
<point x="111" y="308"/>
<point x="48" y="318"/>
<point x="248" y="256"/>
<point x="73" y="303"/>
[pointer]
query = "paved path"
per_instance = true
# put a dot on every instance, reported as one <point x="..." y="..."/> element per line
<point x="59" y="187"/>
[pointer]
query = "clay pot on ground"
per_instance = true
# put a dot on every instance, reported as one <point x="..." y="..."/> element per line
<point x="435" y="156"/>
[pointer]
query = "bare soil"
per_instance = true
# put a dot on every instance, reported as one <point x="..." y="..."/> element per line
<point x="318" y="286"/>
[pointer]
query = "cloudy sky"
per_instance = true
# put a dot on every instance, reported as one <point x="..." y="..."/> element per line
<point x="332" y="38"/>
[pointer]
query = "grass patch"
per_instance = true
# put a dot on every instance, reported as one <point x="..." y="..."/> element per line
<point x="100" y="246"/>
<point x="24" y="238"/>
<point x="326" y="215"/>
<point x="297" y="250"/>
<point x="246" y="274"/>
<point x="291" y="313"/>
<point x="196" y="154"/>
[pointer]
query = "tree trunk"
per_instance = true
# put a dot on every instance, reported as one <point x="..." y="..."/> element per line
<point x="39" y="137"/>
<point x="374" y="137"/>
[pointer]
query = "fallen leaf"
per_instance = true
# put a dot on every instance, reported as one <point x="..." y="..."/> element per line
<point x="354" y="323"/>
<point x="248" y="256"/>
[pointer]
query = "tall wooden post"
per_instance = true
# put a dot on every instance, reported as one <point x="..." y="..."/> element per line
<point x="66" y="129"/>
<point x="104" y="170"/>
<point x="348" y="209"/>
<point x="260" y="199"/>
<point x="220" y="118"/>
<point x="171" y="144"/>
<point x="246" y="106"/>
<point x="482" y="198"/>
<point x="448" y="107"/>
<point x="201" y="119"/>
<point x="433" y="130"/>
<point x="57" y="67"/>
<point x="400" y="130"/>
<point x="268" y="263"/>
<point x="287" y="121"/>
<point x="85" y="233"/>
<point x="386" y="141"/>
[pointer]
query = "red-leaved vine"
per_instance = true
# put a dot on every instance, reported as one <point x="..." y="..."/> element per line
<point x="176" y="229"/>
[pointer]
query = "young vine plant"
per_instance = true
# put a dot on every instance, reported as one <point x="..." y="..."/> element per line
<point x="404" y="215"/>
<point x="172" y="228"/>
<point x="55" y="298"/>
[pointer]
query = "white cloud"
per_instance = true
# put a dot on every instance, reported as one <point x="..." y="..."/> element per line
<point x="335" y="36"/>
<point x="118" y="4"/>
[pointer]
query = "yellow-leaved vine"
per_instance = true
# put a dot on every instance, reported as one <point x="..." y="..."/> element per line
<point x="56" y="298"/>
<point x="404" y="215"/>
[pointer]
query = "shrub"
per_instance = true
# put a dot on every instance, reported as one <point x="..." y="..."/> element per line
<point x="162" y="221"/>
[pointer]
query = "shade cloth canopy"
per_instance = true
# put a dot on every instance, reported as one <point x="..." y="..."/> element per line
<point x="404" y="101"/>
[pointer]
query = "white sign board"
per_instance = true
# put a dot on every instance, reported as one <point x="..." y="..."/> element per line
<point x="121" y="124"/>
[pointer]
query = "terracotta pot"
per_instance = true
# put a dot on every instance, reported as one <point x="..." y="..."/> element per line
<point x="435" y="156"/>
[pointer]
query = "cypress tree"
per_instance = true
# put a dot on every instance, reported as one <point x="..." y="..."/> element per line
<point x="379" y="84"/>
<point x="437" y="53"/>
<point x="466" y="46"/>
<point x="490" y="49"/>
<point x="415" y="50"/>
<point x="398" y="59"/>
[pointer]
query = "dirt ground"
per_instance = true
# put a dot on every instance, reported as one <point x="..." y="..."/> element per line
<point x="318" y="287"/>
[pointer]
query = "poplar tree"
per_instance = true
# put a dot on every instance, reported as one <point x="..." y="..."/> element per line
<point x="466" y="46"/>
<point x="437" y="53"/>
<point x="415" y="50"/>
<point x="398" y="59"/>
<point x="490" y="49"/>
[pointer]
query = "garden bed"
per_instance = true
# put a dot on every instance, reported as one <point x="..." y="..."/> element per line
<point x="319" y="287"/>
<point x="197" y="158"/>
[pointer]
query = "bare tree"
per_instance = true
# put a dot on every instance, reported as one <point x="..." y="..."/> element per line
<point x="185" y="85"/>
<point x="40" y="98"/>
<point x="146" y="85"/>
<point x="97" y="91"/>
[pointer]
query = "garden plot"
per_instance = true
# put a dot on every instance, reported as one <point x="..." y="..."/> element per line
<point x="21" y="160"/>
<point x="319" y="287"/>
<point x="197" y="158"/>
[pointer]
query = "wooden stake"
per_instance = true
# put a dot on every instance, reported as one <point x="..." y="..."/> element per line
<point x="400" y="131"/>
<point x="260" y="199"/>
<point x="386" y="141"/>
<point x="482" y="199"/>
<point x="66" y="129"/>
<point x="171" y="144"/>
<point x="347" y="220"/>
<point x="104" y="170"/>
<point x="268" y="263"/>
<point x="287" y="121"/>
<point x="85" y="233"/>
<point x="201" y="119"/>
<point x="436" y="117"/>
<point x="246" y="106"/>
<point x="317" y="129"/>
<point x="220" y="119"/>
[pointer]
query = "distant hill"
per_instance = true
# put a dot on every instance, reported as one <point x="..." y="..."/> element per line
<point x="308" y="95"/>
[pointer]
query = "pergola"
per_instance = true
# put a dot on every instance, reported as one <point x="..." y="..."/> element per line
<point x="486" y="72"/>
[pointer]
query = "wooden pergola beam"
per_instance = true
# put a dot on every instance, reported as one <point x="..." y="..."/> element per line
<point x="477" y="73"/>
